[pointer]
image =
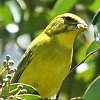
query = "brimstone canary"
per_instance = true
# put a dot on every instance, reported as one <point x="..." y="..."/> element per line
<point x="48" y="58"/>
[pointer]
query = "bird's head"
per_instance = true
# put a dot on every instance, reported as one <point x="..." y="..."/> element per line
<point x="65" y="28"/>
<point x="66" y="23"/>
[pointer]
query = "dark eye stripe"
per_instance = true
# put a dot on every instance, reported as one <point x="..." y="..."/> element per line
<point x="70" y="19"/>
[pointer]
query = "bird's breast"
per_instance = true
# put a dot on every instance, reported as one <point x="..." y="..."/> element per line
<point x="49" y="66"/>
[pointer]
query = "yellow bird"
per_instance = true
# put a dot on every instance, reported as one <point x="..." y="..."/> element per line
<point x="48" y="58"/>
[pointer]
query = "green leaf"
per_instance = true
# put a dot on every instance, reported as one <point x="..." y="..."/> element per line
<point x="96" y="26"/>
<point x="62" y="6"/>
<point x="88" y="73"/>
<point x="30" y="97"/>
<point x="16" y="10"/>
<point x="5" y="15"/>
<point x="30" y="89"/>
<point x="95" y="5"/>
<point x="81" y="54"/>
<point x="94" y="45"/>
<point x="93" y="91"/>
<point x="35" y="23"/>
<point x="96" y="18"/>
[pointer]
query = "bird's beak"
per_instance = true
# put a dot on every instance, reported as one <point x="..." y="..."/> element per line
<point x="82" y="26"/>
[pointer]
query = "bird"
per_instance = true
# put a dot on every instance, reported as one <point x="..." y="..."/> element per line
<point x="47" y="60"/>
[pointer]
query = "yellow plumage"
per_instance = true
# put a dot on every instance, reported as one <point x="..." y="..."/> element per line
<point x="48" y="58"/>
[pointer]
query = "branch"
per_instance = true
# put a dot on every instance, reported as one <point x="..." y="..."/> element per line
<point x="88" y="55"/>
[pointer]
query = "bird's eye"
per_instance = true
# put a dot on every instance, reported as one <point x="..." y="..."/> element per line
<point x="70" y="19"/>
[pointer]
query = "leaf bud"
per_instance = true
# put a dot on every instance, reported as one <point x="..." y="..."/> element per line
<point x="8" y="57"/>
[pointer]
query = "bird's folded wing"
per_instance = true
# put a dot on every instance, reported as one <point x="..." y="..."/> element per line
<point x="22" y="65"/>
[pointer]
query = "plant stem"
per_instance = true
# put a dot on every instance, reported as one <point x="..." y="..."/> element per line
<point x="8" y="80"/>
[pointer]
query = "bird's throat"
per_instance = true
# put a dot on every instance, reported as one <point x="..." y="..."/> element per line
<point x="67" y="39"/>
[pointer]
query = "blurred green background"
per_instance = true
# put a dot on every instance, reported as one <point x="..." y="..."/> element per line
<point x="22" y="20"/>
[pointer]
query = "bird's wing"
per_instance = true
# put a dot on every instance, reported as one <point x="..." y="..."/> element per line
<point x="27" y="57"/>
<point x="22" y="65"/>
